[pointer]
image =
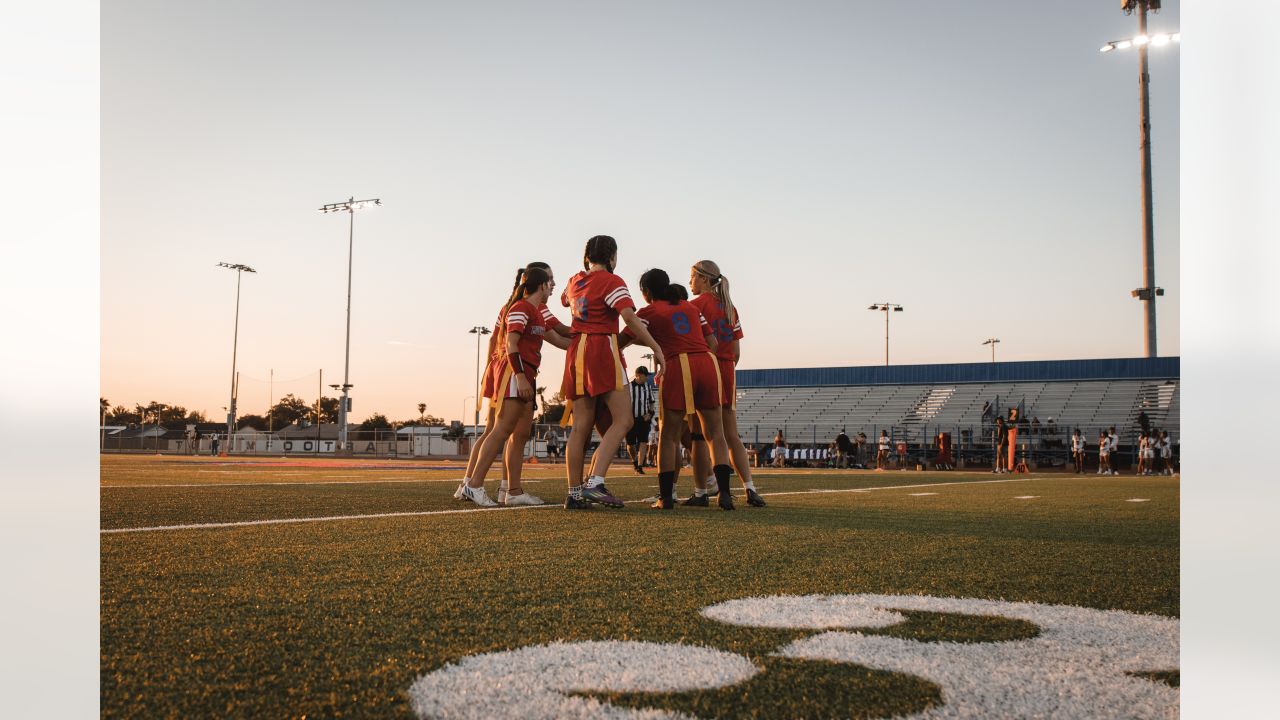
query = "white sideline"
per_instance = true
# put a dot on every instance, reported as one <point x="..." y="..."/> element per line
<point x="284" y="521"/>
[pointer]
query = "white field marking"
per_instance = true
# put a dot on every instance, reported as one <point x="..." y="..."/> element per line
<point x="1025" y="497"/>
<point x="531" y="682"/>
<point x="1138" y="500"/>
<point x="328" y="518"/>
<point x="284" y="521"/>
<point x="920" y="494"/>
<point x="1076" y="668"/>
<point x="371" y="481"/>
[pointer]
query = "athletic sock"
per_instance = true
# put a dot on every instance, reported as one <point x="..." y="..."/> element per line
<point x="750" y="485"/>
<point x="667" y="485"/>
<point x="699" y="493"/>
<point x="722" y="478"/>
<point x="575" y="492"/>
<point x="594" y="480"/>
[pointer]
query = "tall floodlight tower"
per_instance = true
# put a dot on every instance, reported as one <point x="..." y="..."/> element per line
<point x="235" y="341"/>
<point x="886" y="308"/>
<point x="349" y="206"/>
<point x="1142" y="41"/>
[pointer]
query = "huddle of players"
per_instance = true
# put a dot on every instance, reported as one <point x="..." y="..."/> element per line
<point x="695" y="348"/>
<point x="1151" y="445"/>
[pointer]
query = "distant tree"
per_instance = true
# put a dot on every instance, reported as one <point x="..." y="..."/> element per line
<point x="257" y="422"/>
<point x="422" y="408"/>
<point x="288" y="411"/>
<point x="424" y="421"/>
<point x="104" y="407"/>
<point x="197" y="416"/>
<point x="329" y="409"/>
<point x="121" y="415"/>
<point x="376" y="421"/>
<point x="551" y="411"/>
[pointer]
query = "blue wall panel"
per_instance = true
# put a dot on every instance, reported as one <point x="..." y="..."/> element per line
<point x="1164" y="368"/>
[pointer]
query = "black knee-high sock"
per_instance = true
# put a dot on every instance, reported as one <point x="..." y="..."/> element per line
<point x="722" y="477"/>
<point x="667" y="484"/>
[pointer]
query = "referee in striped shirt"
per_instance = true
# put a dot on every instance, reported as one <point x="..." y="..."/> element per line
<point x="642" y="415"/>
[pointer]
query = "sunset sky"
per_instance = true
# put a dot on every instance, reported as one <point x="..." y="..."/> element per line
<point x="976" y="162"/>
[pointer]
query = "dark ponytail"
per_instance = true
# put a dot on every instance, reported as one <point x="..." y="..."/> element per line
<point x="528" y="280"/>
<point x="600" y="250"/>
<point x="658" y="284"/>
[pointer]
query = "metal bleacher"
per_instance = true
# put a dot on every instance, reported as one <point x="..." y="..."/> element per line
<point x="1085" y="394"/>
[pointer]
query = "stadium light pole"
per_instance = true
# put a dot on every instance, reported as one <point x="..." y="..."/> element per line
<point x="479" y="331"/>
<point x="235" y="341"/>
<point x="992" y="342"/>
<point x="1148" y="292"/>
<point x="348" y="206"/>
<point x="885" y="308"/>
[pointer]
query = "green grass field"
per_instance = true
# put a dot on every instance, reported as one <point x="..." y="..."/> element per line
<point x="339" y="617"/>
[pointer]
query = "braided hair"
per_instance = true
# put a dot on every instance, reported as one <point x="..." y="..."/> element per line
<point x="600" y="250"/>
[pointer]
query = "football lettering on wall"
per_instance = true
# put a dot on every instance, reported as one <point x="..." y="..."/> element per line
<point x="1082" y="664"/>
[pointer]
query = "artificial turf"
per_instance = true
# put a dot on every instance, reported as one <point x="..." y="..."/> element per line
<point x="338" y="618"/>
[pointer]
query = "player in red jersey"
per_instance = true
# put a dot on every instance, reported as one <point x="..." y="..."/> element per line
<point x="711" y="297"/>
<point x="513" y="458"/>
<point x="521" y="336"/>
<point x="690" y="386"/>
<point x="593" y="369"/>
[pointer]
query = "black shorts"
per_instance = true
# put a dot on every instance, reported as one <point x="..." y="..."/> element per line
<point x="639" y="432"/>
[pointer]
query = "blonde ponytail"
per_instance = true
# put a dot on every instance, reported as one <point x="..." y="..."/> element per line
<point x="720" y="286"/>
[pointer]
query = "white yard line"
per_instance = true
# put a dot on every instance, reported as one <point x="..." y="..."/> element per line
<point x="284" y="521"/>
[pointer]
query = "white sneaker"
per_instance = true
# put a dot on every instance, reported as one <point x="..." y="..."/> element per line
<point x="461" y="492"/>
<point x="478" y="496"/>
<point x="523" y="499"/>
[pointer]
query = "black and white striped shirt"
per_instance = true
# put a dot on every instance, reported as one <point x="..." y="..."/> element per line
<point x="641" y="398"/>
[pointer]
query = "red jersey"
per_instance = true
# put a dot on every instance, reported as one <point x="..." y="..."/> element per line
<point x="678" y="328"/>
<point x="549" y="321"/>
<point x="527" y="320"/>
<point x="596" y="299"/>
<point x="709" y="305"/>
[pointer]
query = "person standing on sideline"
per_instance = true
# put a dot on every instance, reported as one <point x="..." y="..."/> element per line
<point x="213" y="446"/>
<point x="1166" y="453"/>
<point x="641" y="417"/>
<point x="999" y="441"/>
<point x="1077" y="450"/>
<point x="882" y="452"/>
<point x="1104" y="453"/>
<point x="844" y="449"/>
<point x="1113" y="440"/>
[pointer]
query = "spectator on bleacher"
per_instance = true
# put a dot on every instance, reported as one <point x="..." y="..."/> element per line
<point x="1000" y="442"/>
<point x="1077" y="450"/>
<point x="844" y="449"/>
<point x="882" y="451"/>
<point x="1035" y="425"/>
<point x="1051" y="427"/>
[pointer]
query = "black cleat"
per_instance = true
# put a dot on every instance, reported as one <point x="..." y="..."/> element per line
<point x="638" y="469"/>
<point x="754" y="499"/>
<point x="696" y="501"/>
<point x="663" y="504"/>
<point x="573" y="503"/>
<point x="726" y="501"/>
<point x="600" y="494"/>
